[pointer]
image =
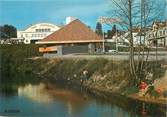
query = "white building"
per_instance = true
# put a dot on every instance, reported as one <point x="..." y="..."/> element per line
<point x="157" y="37"/>
<point x="137" y="38"/>
<point x="37" y="32"/>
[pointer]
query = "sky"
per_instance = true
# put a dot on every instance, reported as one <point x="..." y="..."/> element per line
<point x="22" y="13"/>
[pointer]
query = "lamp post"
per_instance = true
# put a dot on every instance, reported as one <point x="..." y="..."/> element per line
<point x="103" y="42"/>
<point x="116" y="41"/>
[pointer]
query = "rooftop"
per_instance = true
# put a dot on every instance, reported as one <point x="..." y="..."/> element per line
<point x="74" y="32"/>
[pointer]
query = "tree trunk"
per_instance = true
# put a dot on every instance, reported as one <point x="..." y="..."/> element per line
<point x="131" y="58"/>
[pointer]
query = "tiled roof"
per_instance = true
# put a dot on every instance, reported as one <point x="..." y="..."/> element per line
<point x="75" y="32"/>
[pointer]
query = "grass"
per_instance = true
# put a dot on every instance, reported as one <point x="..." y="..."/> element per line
<point x="108" y="74"/>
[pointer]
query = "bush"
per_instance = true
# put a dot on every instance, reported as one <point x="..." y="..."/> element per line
<point x="131" y="90"/>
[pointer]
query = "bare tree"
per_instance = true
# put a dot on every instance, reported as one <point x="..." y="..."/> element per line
<point x="137" y="13"/>
<point x="127" y="12"/>
<point x="150" y="11"/>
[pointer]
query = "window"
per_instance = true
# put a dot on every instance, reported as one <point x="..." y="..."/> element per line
<point x="161" y="40"/>
<point x="164" y="32"/>
<point x="32" y="35"/>
<point x="160" y="33"/>
<point x="43" y="30"/>
<point x="37" y="30"/>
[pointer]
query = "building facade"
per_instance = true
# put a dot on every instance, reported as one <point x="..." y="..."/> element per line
<point x="37" y="32"/>
<point x="158" y="35"/>
<point x="74" y="37"/>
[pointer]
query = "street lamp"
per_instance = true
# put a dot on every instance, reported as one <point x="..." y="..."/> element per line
<point x="103" y="42"/>
<point x="116" y="40"/>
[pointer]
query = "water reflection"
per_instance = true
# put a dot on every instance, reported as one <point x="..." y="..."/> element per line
<point x="35" y="93"/>
<point x="50" y="100"/>
<point x="47" y="93"/>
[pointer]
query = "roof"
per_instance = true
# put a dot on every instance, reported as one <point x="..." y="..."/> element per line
<point x="74" y="32"/>
<point x="34" y="26"/>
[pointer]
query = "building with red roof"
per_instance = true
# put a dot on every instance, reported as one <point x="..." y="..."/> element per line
<point x="73" y="36"/>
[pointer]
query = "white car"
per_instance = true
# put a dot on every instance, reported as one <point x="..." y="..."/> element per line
<point x="112" y="51"/>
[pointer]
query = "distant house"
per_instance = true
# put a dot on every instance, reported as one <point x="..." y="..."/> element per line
<point x="75" y="37"/>
<point x="158" y="35"/>
<point x="138" y="38"/>
<point x="36" y="32"/>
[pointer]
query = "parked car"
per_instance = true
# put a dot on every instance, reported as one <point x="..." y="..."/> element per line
<point x="112" y="51"/>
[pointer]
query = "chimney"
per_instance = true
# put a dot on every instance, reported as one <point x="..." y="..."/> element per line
<point x="70" y="19"/>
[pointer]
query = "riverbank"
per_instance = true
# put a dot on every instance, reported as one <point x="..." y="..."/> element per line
<point x="103" y="75"/>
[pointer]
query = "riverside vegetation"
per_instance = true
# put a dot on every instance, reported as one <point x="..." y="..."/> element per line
<point x="104" y="76"/>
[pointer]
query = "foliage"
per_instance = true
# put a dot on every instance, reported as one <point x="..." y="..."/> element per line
<point x="8" y="31"/>
<point x="140" y="13"/>
<point x="113" y="31"/>
<point x="99" y="29"/>
<point x="152" y="92"/>
<point x="14" y="61"/>
<point x="131" y="90"/>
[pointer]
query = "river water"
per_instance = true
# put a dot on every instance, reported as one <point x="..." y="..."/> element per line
<point x="48" y="100"/>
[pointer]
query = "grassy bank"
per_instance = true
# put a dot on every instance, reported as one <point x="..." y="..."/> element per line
<point x="107" y="75"/>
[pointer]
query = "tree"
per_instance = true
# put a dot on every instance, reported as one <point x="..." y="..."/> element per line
<point x="134" y="13"/>
<point x="126" y="11"/>
<point x="99" y="29"/>
<point x="8" y="31"/>
<point x="149" y="12"/>
<point x="114" y="30"/>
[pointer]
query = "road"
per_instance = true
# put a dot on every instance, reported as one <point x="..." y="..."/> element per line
<point x="116" y="56"/>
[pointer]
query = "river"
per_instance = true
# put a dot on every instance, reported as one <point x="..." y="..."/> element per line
<point x="48" y="100"/>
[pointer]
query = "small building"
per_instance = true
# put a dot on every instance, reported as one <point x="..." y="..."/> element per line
<point x="36" y="32"/>
<point x="75" y="37"/>
<point x="17" y="41"/>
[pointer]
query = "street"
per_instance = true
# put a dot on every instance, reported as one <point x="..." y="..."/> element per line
<point x="111" y="56"/>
